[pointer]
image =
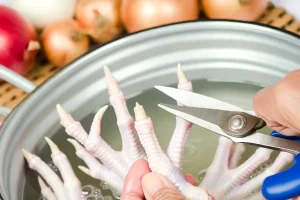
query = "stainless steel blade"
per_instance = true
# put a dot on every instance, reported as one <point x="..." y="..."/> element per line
<point x="192" y="99"/>
<point x="270" y="142"/>
<point x="210" y="115"/>
<point x="236" y="124"/>
<point x="256" y="139"/>
<point x="198" y="121"/>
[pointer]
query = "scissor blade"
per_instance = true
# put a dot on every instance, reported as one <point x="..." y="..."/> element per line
<point x="191" y="116"/>
<point x="256" y="139"/>
<point x="210" y="115"/>
<point x="192" y="99"/>
<point x="270" y="142"/>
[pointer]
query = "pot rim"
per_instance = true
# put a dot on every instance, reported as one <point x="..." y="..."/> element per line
<point x="85" y="56"/>
<point x="129" y="35"/>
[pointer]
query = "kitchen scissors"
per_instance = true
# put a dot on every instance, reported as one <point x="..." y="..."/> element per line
<point x="241" y="127"/>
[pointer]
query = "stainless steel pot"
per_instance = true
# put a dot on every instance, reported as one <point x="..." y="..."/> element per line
<point x="213" y="50"/>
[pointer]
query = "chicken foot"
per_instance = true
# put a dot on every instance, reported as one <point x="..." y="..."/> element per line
<point x="114" y="169"/>
<point x="68" y="190"/>
<point x="159" y="161"/>
<point x="223" y="180"/>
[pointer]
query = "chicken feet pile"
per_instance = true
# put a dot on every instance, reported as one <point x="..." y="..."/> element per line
<point x="224" y="179"/>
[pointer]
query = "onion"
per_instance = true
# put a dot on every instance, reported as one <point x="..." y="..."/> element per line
<point x="63" y="42"/>
<point x="138" y="15"/>
<point x="100" y="18"/>
<point x="18" y="41"/>
<point x="44" y="12"/>
<point x="245" y="10"/>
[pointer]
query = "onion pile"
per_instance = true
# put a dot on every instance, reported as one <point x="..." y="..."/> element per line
<point x="143" y="14"/>
<point x="246" y="10"/>
<point x="100" y="19"/>
<point x="64" y="41"/>
<point x="18" y="41"/>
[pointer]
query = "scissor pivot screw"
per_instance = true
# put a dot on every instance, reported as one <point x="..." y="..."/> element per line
<point x="237" y="122"/>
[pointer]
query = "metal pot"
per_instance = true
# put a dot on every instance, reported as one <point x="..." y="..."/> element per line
<point x="227" y="51"/>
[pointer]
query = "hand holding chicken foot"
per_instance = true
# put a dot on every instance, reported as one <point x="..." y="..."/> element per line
<point x="116" y="166"/>
<point x="96" y="147"/>
<point x="132" y="149"/>
<point x="159" y="162"/>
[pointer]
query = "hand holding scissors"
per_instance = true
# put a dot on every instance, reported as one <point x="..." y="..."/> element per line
<point x="241" y="127"/>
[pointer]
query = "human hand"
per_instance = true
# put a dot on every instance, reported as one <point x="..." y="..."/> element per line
<point x="279" y="104"/>
<point x="141" y="183"/>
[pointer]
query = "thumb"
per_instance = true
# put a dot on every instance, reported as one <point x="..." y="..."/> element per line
<point x="158" y="187"/>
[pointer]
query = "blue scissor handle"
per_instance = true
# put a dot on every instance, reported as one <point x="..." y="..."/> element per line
<point x="286" y="184"/>
<point x="276" y="134"/>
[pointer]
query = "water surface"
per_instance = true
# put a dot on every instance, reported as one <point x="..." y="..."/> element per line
<point x="201" y="143"/>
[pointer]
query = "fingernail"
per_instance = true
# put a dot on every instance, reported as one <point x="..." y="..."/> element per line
<point x="152" y="182"/>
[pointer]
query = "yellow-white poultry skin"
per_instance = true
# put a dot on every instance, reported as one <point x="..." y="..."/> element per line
<point x="223" y="180"/>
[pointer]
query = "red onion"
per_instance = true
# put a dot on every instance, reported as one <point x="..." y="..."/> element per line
<point x="18" y="44"/>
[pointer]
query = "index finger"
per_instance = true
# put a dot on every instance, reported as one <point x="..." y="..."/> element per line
<point x="132" y="189"/>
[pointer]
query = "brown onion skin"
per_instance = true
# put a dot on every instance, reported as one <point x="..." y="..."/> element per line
<point x="251" y="10"/>
<point x="63" y="42"/>
<point x="100" y="19"/>
<point x="139" y="15"/>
